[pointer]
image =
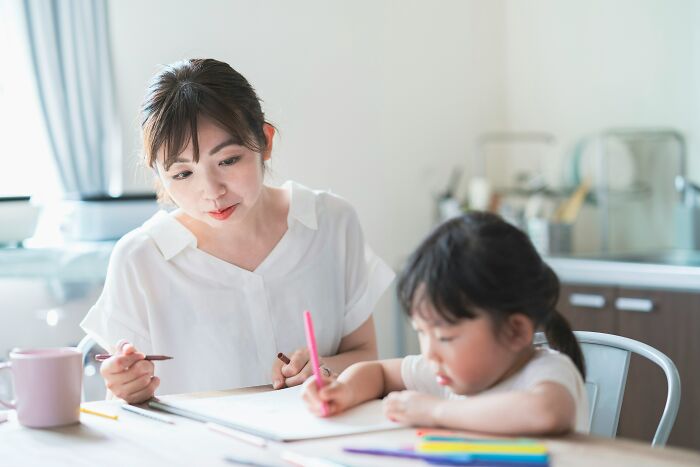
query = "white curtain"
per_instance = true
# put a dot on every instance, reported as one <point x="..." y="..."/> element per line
<point x="69" y="44"/>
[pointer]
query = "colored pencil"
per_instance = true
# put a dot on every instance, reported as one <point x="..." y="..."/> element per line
<point x="313" y="354"/>
<point x="99" y="414"/>
<point x="104" y="356"/>
<point x="284" y="358"/>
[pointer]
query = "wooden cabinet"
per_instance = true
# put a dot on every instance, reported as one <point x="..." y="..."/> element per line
<point x="588" y="308"/>
<point x="668" y="321"/>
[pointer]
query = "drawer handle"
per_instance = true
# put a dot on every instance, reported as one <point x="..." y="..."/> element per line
<point x="634" y="304"/>
<point x="587" y="300"/>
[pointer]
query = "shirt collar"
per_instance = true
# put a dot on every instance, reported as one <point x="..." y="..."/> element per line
<point x="302" y="204"/>
<point x="170" y="236"/>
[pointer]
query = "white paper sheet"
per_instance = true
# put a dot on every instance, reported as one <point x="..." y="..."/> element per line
<point x="283" y="415"/>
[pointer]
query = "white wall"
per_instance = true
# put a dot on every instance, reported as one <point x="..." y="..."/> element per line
<point x="379" y="100"/>
<point x="376" y="100"/>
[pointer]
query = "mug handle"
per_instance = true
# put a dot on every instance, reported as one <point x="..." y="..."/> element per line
<point x="9" y="405"/>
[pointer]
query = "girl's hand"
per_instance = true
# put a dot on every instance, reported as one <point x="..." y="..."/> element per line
<point x="128" y="376"/>
<point x="296" y="371"/>
<point x="336" y="395"/>
<point x="411" y="408"/>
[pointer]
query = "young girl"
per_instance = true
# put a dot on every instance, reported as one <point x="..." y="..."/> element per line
<point x="476" y="290"/>
<point x="220" y="283"/>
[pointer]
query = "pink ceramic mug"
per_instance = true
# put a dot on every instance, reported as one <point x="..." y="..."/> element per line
<point x="47" y="385"/>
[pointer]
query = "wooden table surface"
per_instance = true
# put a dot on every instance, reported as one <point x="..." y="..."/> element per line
<point x="134" y="440"/>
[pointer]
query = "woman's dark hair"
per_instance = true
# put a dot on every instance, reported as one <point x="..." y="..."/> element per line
<point x="480" y="263"/>
<point x="182" y="92"/>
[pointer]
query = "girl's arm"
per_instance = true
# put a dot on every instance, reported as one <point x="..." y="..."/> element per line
<point x="359" y="383"/>
<point x="547" y="408"/>
<point x="372" y="380"/>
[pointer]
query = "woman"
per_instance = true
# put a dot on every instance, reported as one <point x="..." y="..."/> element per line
<point x="220" y="283"/>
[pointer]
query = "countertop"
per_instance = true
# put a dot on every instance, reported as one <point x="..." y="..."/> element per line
<point x="670" y="270"/>
<point x="626" y="273"/>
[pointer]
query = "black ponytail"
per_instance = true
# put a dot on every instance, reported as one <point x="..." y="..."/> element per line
<point x="561" y="338"/>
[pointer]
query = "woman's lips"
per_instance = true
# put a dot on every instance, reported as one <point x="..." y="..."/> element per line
<point x="223" y="214"/>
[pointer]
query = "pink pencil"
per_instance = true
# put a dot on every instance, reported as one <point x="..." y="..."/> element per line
<point x="313" y="353"/>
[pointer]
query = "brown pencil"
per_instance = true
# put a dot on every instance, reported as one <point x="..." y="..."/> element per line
<point x="284" y="358"/>
<point x="104" y="356"/>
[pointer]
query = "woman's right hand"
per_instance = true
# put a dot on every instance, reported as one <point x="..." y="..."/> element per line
<point x="128" y="376"/>
<point x="338" y="396"/>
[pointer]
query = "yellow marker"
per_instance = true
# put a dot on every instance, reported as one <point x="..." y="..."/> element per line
<point x="480" y="448"/>
<point x="99" y="414"/>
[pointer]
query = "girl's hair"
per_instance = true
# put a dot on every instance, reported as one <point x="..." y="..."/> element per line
<point x="182" y="92"/>
<point x="480" y="263"/>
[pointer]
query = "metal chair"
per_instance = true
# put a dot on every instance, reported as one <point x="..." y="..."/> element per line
<point x="85" y="346"/>
<point x="607" y="358"/>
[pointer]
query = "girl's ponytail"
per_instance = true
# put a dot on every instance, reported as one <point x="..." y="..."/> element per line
<point x="561" y="338"/>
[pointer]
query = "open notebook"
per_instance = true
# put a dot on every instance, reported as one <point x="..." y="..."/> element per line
<point x="278" y="415"/>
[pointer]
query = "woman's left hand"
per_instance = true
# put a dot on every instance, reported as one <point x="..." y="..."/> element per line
<point x="411" y="408"/>
<point x="296" y="371"/>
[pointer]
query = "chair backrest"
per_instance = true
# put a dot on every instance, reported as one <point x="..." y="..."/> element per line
<point x="607" y="359"/>
<point x="85" y="345"/>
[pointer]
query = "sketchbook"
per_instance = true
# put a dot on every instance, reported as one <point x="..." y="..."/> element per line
<point x="278" y="415"/>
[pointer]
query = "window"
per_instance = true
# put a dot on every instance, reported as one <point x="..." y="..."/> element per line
<point x="26" y="163"/>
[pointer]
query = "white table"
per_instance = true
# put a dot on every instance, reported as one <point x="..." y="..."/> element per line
<point x="134" y="440"/>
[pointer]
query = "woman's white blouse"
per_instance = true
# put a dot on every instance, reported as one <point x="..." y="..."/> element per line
<point x="225" y="325"/>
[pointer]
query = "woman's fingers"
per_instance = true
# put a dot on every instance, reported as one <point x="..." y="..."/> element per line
<point x="300" y="376"/>
<point x="277" y="376"/>
<point x="132" y="380"/>
<point x="128" y="375"/>
<point x="120" y="363"/>
<point x="126" y="356"/>
<point x="138" y="369"/>
<point x="145" y="393"/>
<point x="297" y="362"/>
<point x="125" y="362"/>
<point x="128" y="383"/>
<point x="298" y="369"/>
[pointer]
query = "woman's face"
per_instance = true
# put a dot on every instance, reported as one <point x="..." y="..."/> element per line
<point x="225" y="185"/>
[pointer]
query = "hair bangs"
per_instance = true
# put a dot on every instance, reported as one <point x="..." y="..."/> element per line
<point x="242" y="130"/>
<point x="429" y="279"/>
<point x="171" y="129"/>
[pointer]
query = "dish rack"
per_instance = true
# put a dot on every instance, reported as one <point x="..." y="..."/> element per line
<point x="628" y="166"/>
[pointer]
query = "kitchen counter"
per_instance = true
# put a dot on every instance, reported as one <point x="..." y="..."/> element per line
<point x="71" y="262"/>
<point x="627" y="272"/>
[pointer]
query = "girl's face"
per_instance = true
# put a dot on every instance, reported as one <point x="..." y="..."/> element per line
<point x="468" y="357"/>
<point x="224" y="185"/>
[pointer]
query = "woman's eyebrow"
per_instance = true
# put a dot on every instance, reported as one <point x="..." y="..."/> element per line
<point x="220" y="146"/>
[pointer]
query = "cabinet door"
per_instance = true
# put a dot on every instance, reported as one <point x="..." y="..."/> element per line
<point x="672" y="325"/>
<point x="588" y="308"/>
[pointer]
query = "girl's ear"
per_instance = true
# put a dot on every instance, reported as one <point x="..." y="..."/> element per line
<point x="269" y="131"/>
<point x="518" y="331"/>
